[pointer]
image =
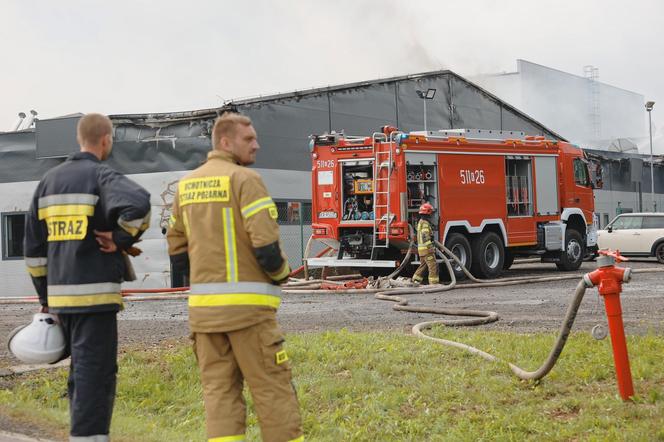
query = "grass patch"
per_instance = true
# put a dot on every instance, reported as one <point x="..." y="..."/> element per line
<point x="392" y="387"/>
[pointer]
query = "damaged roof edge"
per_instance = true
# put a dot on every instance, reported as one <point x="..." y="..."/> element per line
<point x="157" y="117"/>
<point x="609" y="155"/>
<point x="168" y="117"/>
<point x="231" y="105"/>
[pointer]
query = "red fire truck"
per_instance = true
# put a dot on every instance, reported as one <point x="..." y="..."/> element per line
<point x="496" y="194"/>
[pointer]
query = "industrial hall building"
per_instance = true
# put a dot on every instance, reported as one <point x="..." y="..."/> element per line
<point x="157" y="149"/>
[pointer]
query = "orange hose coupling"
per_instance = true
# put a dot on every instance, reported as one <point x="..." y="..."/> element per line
<point x="610" y="278"/>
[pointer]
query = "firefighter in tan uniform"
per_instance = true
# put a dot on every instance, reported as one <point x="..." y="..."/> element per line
<point x="224" y="229"/>
<point x="425" y="247"/>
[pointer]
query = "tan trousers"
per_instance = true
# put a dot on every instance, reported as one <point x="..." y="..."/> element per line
<point x="254" y="354"/>
<point x="427" y="261"/>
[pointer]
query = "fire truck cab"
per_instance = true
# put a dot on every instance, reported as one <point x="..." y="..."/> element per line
<point x="496" y="195"/>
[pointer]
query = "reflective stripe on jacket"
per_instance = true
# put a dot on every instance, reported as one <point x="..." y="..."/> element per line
<point x="235" y="293"/>
<point x="69" y="271"/>
<point x="222" y="215"/>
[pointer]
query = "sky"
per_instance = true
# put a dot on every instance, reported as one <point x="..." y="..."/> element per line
<point x="138" y="56"/>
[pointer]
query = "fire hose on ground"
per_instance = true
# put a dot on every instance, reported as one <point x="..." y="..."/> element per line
<point x="480" y="317"/>
<point x="609" y="279"/>
<point x="156" y="294"/>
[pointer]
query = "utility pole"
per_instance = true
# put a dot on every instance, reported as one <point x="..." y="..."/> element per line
<point x="426" y="95"/>
<point x="649" y="106"/>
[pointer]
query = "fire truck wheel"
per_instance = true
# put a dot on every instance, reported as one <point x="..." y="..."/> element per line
<point x="572" y="257"/>
<point x="489" y="256"/>
<point x="460" y="246"/>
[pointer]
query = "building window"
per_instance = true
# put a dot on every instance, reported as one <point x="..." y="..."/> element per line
<point x="13" y="232"/>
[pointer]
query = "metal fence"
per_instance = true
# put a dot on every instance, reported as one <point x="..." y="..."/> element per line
<point x="295" y="228"/>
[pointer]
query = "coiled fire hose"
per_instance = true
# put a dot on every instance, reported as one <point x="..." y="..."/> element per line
<point x="487" y="317"/>
<point x="480" y="317"/>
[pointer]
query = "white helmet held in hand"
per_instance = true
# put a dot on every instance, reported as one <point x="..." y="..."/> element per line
<point x="40" y="342"/>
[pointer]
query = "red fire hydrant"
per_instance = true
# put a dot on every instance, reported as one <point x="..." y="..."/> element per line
<point x="610" y="279"/>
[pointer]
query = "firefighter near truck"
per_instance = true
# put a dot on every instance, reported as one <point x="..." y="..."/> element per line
<point x="496" y="195"/>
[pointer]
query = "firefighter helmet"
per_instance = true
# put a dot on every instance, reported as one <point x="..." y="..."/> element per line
<point x="426" y="209"/>
<point x="42" y="341"/>
<point x="387" y="130"/>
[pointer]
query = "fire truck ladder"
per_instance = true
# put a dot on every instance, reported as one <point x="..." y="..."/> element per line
<point x="382" y="168"/>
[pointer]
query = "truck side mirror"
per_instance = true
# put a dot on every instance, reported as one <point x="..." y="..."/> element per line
<point x="609" y="229"/>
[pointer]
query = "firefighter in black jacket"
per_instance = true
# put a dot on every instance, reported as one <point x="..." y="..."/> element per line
<point x="84" y="216"/>
<point x="425" y="247"/>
